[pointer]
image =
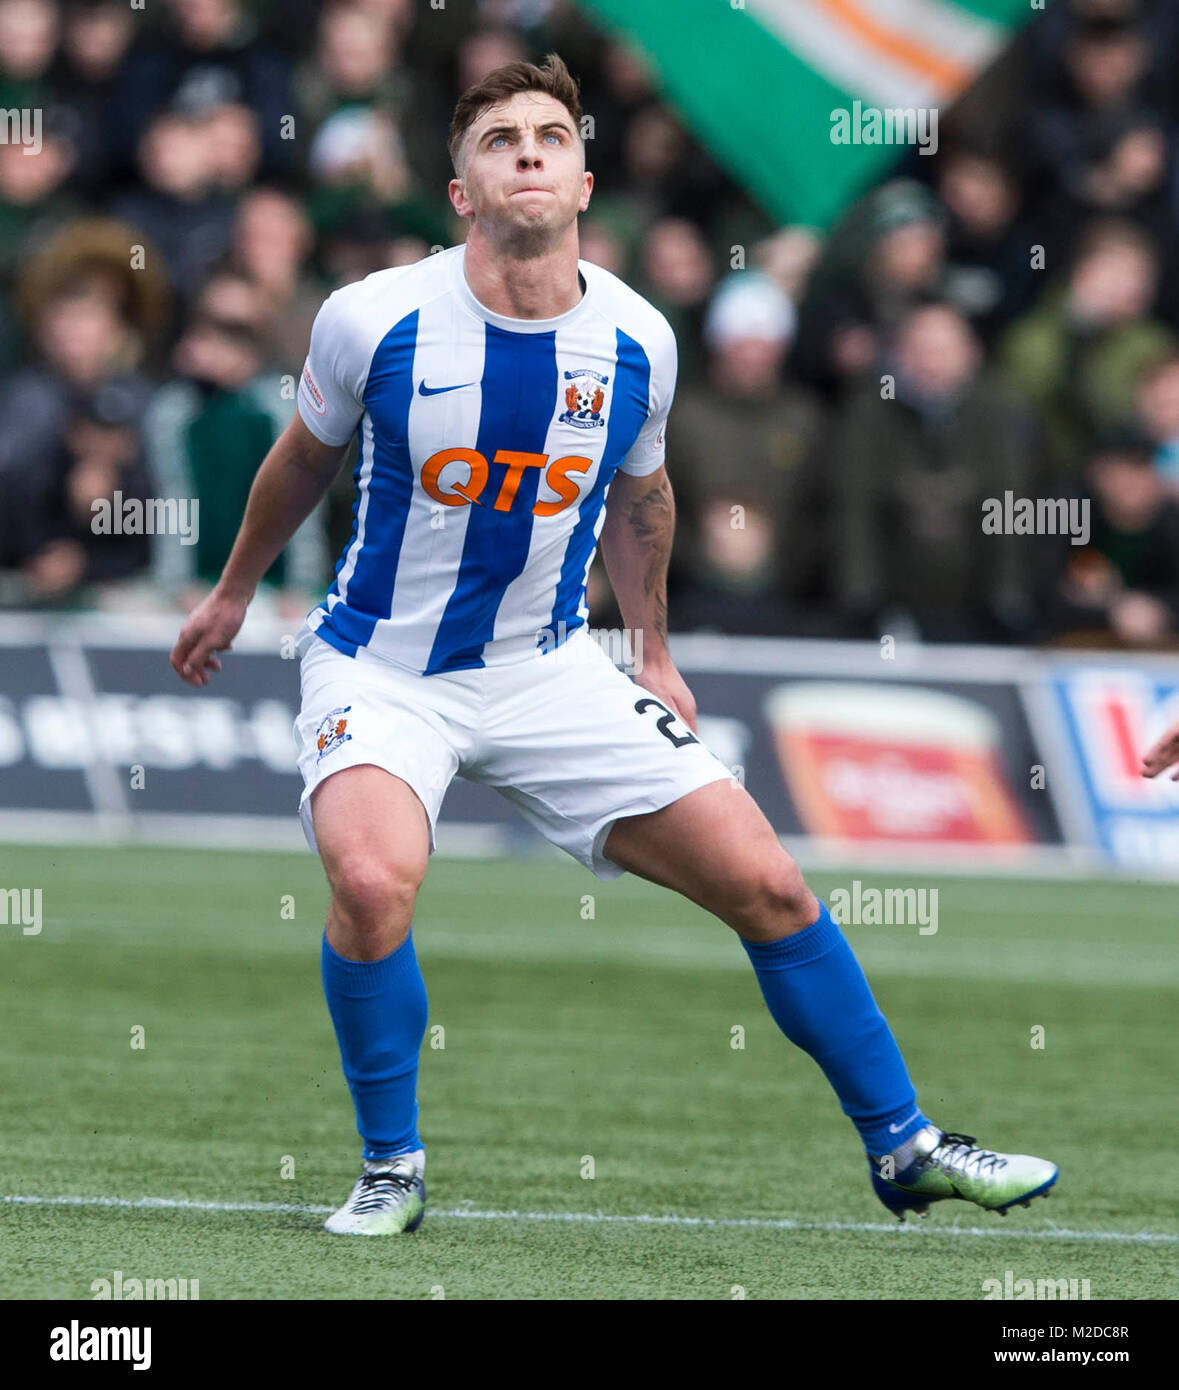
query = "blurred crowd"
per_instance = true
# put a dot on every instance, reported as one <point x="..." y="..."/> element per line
<point x="998" y="321"/>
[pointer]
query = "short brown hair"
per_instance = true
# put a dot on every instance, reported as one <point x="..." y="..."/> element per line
<point x="551" y="77"/>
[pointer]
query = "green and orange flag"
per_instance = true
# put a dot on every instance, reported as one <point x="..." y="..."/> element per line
<point x="801" y="99"/>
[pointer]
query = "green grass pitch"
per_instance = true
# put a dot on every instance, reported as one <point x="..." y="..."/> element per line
<point x="566" y="1039"/>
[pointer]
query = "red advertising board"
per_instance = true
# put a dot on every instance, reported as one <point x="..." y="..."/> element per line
<point x="894" y="762"/>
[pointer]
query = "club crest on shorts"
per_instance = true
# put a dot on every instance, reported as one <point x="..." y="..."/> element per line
<point x="332" y="731"/>
<point x="585" y="395"/>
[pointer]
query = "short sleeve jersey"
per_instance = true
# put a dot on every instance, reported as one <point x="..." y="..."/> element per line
<point x="487" y="446"/>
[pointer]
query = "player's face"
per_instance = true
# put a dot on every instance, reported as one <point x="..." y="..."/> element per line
<point x="525" y="173"/>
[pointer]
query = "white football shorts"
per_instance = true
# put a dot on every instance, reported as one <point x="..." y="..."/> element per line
<point x="565" y="736"/>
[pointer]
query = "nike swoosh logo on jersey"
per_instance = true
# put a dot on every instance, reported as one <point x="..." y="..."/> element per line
<point x="424" y="390"/>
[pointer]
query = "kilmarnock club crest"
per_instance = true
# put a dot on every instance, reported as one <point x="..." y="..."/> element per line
<point x="332" y="731"/>
<point x="584" y="397"/>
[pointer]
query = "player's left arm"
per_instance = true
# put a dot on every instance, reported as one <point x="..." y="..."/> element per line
<point x="636" y="546"/>
<point x="637" y="533"/>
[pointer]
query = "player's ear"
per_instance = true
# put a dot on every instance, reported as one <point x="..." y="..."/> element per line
<point x="586" y="189"/>
<point x="458" y="197"/>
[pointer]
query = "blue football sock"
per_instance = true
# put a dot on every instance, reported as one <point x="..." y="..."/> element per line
<point x="815" y="990"/>
<point x="378" y="1009"/>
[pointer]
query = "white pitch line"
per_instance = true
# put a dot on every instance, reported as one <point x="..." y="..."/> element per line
<point x="603" y="1218"/>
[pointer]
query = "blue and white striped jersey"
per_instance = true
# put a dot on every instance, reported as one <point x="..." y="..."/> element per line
<point x="487" y="446"/>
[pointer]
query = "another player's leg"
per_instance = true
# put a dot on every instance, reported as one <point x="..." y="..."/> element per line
<point x="716" y="847"/>
<point x="373" y="837"/>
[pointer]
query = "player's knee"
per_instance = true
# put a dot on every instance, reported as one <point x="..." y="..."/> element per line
<point x="775" y="900"/>
<point x="372" y="896"/>
<point x="793" y="902"/>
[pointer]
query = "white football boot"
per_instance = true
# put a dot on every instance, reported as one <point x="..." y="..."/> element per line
<point x="389" y="1198"/>
<point x="938" y="1165"/>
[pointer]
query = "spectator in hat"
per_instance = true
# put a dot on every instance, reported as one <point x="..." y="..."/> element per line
<point x="888" y="252"/>
<point x="744" y="452"/>
<point x="360" y="174"/>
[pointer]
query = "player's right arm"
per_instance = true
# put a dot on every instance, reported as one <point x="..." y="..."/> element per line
<point x="293" y="477"/>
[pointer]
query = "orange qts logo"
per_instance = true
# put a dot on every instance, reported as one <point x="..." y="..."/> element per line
<point x="460" y="494"/>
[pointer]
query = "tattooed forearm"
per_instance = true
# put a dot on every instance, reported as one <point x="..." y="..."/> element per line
<point x="652" y="522"/>
<point x="652" y="516"/>
<point x="637" y="548"/>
